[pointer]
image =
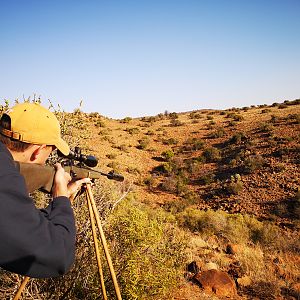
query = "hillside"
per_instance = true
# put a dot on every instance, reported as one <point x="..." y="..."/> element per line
<point x="205" y="190"/>
<point x="204" y="149"/>
<point x="243" y="162"/>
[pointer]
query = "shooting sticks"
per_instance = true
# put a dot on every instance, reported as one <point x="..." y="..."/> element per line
<point x="94" y="215"/>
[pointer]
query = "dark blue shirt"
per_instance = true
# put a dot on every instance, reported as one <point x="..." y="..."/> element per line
<point x="33" y="242"/>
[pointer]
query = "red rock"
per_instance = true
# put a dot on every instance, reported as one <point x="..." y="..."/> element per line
<point x="217" y="282"/>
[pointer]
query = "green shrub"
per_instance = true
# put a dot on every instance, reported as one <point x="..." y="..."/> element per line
<point x="143" y="143"/>
<point x="176" y="184"/>
<point x="265" y="127"/>
<point x="207" y="222"/>
<point x="212" y="154"/>
<point x="148" y="251"/>
<point x="220" y="132"/>
<point x="237" y="138"/>
<point x="168" y="154"/>
<point x="193" y="144"/>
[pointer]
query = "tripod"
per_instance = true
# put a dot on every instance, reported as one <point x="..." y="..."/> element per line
<point x="94" y="215"/>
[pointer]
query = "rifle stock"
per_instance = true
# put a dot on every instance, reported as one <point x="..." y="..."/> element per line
<point x="41" y="177"/>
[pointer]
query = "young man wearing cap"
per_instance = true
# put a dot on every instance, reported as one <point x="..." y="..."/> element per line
<point x="36" y="243"/>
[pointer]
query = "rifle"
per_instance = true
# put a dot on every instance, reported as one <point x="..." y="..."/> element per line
<point x="40" y="177"/>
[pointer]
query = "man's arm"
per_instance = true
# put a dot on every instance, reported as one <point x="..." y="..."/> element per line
<point x="34" y="244"/>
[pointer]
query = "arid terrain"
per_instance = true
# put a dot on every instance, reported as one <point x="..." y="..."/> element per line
<point x="240" y="162"/>
<point x="211" y="193"/>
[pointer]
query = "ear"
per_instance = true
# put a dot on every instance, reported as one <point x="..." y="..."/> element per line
<point x="36" y="151"/>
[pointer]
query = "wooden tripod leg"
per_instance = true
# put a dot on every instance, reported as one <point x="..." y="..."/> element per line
<point x="96" y="246"/>
<point x="21" y="288"/>
<point x="104" y="244"/>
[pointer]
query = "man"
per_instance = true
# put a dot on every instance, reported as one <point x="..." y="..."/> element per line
<point x="35" y="243"/>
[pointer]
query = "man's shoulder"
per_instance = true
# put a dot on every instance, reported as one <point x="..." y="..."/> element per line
<point x="6" y="161"/>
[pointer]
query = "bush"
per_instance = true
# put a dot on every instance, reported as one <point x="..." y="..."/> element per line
<point x="212" y="154"/>
<point x="148" y="251"/>
<point x="193" y="144"/>
<point x="265" y="127"/>
<point x="281" y="106"/>
<point x="175" y="122"/>
<point x="170" y="141"/>
<point x="253" y="163"/>
<point x="235" y="117"/>
<point x="168" y="154"/>
<point x="220" y="132"/>
<point x="195" y="115"/>
<point x="133" y="130"/>
<point x="100" y="123"/>
<point x="294" y="117"/>
<point x="207" y="222"/>
<point x="176" y="184"/>
<point x="207" y="179"/>
<point x="237" y="138"/>
<point x="236" y="185"/>
<point x="173" y="115"/>
<point x="143" y="143"/>
<point x="266" y="110"/>
<point x="126" y="120"/>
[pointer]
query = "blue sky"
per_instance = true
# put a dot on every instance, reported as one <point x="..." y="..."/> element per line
<point x="138" y="58"/>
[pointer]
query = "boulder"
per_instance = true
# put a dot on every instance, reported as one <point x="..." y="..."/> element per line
<point x="217" y="282"/>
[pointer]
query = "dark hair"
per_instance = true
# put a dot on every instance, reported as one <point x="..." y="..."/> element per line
<point x="11" y="143"/>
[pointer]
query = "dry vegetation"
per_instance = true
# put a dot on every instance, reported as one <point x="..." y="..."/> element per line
<point x="206" y="186"/>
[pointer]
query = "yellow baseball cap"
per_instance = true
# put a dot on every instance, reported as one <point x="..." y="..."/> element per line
<point x="34" y="124"/>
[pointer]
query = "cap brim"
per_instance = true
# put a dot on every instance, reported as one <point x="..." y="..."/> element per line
<point x="63" y="147"/>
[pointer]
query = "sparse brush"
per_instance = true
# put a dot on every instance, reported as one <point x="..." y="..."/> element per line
<point x="212" y="154"/>
<point x="219" y="132"/>
<point x="253" y="163"/>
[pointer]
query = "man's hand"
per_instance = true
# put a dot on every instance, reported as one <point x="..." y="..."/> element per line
<point x="74" y="186"/>
<point x="63" y="184"/>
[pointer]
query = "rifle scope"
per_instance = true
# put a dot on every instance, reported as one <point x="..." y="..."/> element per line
<point x="89" y="160"/>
